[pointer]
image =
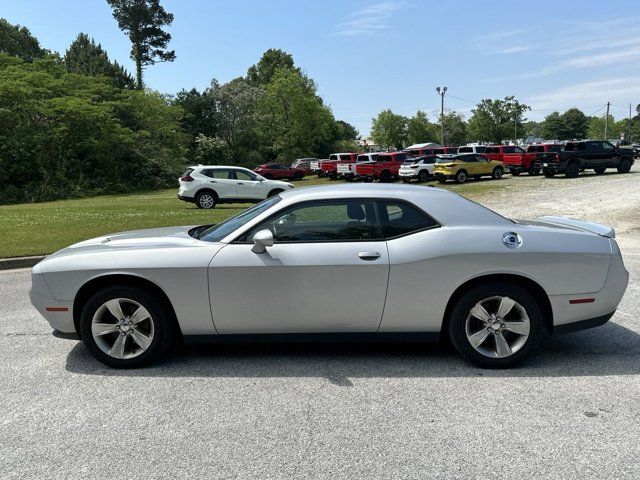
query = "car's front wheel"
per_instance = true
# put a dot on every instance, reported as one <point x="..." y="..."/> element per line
<point x="498" y="172"/>
<point x="423" y="176"/>
<point x="125" y="327"/>
<point x="573" y="170"/>
<point x="461" y="176"/>
<point x="495" y="325"/>
<point x="625" y="166"/>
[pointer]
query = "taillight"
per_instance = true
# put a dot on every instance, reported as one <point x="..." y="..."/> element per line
<point x="186" y="178"/>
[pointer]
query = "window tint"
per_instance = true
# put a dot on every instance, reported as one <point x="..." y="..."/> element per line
<point x="607" y="146"/>
<point x="333" y="157"/>
<point x="326" y="221"/>
<point x="465" y="150"/>
<point x="480" y="149"/>
<point x="242" y="175"/>
<point x="221" y="173"/>
<point x="469" y="158"/>
<point x="552" y="148"/>
<point x="399" y="218"/>
<point x="509" y="150"/>
<point x="362" y="158"/>
<point x="480" y="158"/>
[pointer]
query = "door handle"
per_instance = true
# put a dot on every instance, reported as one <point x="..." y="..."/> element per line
<point x="240" y="183"/>
<point x="369" y="255"/>
<point x="213" y="181"/>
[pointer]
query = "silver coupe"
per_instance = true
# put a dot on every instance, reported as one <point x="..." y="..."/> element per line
<point x="363" y="262"/>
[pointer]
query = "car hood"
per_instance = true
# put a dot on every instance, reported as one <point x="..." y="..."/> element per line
<point x="136" y="239"/>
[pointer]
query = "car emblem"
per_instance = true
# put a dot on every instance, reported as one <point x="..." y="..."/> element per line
<point x="511" y="240"/>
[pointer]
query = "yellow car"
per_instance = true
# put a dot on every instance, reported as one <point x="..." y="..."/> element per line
<point x="464" y="166"/>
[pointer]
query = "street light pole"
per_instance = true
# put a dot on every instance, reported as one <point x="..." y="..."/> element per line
<point x="441" y="92"/>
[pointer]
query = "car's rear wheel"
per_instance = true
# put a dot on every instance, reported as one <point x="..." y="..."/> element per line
<point x="423" y="176"/>
<point x="498" y="172"/>
<point x="625" y="166"/>
<point x="385" y="176"/>
<point x="206" y="199"/>
<point x="496" y="325"/>
<point x="125" y="327"/>
<point x="599" y="170"/>
<point x="573" y="170"/>
<point x="297" y="176"/>
<point x="461" y="176"/>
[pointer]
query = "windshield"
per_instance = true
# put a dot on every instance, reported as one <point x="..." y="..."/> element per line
<point x="221" y="230"/>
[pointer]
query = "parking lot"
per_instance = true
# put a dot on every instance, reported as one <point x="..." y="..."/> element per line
<point x="338" y="410"/>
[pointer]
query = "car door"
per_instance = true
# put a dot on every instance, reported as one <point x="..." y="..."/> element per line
<point x="248" y="186"/>
<point x="222" y="181"/>
<point x="482" y="165"/>
<point x="327" y="271"/>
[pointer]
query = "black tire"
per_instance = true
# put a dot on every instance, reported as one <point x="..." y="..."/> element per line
<point x="349" y="178"/>
<point x="625" y="166"/>
<point x="461" y="176"/>
<point x="163" y="325"/>
<point x="460" y="312"/>
<point x="274" y="192"/>
<point x="206" y="199"/>
<point x="333" y="176"/>
<point x="498" y="172"/>
<point x="599" y="170"/>
<point x="385" y="176"/>
<point x="297" y="176"/>
<point x="548" y="173"/>
<point x="573" y="170"/>
<point x="423" y="176"/>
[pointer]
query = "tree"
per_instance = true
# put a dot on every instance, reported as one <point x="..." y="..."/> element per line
<point x="294" y="121"/>
<point x="389" y="130"/>
<point x="420" y="130"/>
<point x="87" y="58"/>
<point x="576" y="124"/>
<point x="346" y="131"/>
<point x="17" y="41"/>
<point x="553" y="127"/>
<point x="455" y="129"/>
<point x="142" y="22"/>
<point x="271" y="61"/>
<point x="496" y="120"/>
<point x="200" y="115"/>
<point x="236" y="103"/>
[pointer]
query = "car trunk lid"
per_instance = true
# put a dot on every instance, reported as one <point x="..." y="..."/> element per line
<point x="573" y="224"/>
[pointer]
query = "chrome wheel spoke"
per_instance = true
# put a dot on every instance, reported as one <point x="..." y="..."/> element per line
<point x="114" y="308"/>
<point x="140" y="338"/>
<point x="117" y="350"/>
<point x="502" y="346"/>
<point x="139" y="315"/>
<point x="521" y="328"/>
<point x="99" y="329"/>
<point x="479" y="312"/>
<point x="477" y="338"/>
<point x="506" y="304"/>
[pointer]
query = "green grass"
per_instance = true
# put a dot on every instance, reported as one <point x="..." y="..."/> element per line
<point x="42" y="228"/>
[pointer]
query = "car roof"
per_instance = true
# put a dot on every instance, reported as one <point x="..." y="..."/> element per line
<point x="217" y="166"/>
<point x="447" y="207"/>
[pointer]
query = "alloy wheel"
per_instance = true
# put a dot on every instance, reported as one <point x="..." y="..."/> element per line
<point x="122" y="328"/>
<point x="206" y="200"/>
<point x="497" y="327"/>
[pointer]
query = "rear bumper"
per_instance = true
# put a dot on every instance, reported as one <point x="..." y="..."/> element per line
<point x="582" y="324"/>
<point x="550" y="167"/>
<point x="186" y="199"/>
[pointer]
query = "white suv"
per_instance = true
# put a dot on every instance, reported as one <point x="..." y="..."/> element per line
<point x="206" y="186"/>
<point x="419" y="168"/>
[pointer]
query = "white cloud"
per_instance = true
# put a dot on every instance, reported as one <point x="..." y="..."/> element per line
<point x="587" y="93"/>
<point x="370" y="20"/>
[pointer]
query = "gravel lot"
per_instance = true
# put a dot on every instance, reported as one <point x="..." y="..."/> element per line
<point x="337" y="411"/>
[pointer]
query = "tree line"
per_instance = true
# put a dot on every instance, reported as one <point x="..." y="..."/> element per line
<point x="495" y="121"/>
<point x="78" y="124"/>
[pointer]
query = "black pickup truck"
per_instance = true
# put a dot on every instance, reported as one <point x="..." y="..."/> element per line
<point x="593" y="155"/>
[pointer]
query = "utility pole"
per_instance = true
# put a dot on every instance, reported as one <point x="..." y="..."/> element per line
<point x="441" y="92"/>
<point x="606" y="123"/>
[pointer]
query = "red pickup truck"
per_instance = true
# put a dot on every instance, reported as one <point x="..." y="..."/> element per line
<point x="329" y="168"/>
<point x="529" y="158"/>
<point x="511" y="155"/>
<point x="385" y="168"/>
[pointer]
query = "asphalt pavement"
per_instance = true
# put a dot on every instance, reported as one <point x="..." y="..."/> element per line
<point x="321" y="411"/>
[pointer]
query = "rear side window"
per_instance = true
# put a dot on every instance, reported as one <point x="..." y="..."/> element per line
<point x="333" y="157"/>
<point x="480" y="149"/>
<point x="465" y="150"/>
<point x="400" y="218"/>
<point x="187" y="172"/>
<point x="509" y="149"/>
<point x="221" y="173"/>
<point x="552" y="148"/>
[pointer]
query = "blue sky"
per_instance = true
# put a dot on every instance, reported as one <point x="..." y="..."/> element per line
<point x="370" y="55"/>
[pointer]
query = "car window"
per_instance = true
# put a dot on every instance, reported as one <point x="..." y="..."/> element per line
<point x="333" y="157"/>
<point x="607" y="146"/>
<point x="509" y="150"/>
<point x="552" y="148"/>
<point x="480" y="158"/>
<point x="220" y="173"/>
<point x="465" y="150"/>
<point x="518" y="150"/>
<point x="400" y="218"/>
<point x="323" y="221"/>
<point x="480" y="149"/>
<point x="470" y="158"/>
<point x="242" y="175"/>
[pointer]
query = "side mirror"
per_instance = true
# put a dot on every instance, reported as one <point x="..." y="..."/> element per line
<point x="262" y="240"/>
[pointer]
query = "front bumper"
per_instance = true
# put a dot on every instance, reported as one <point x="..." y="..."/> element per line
<point x="58" y="313"/>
